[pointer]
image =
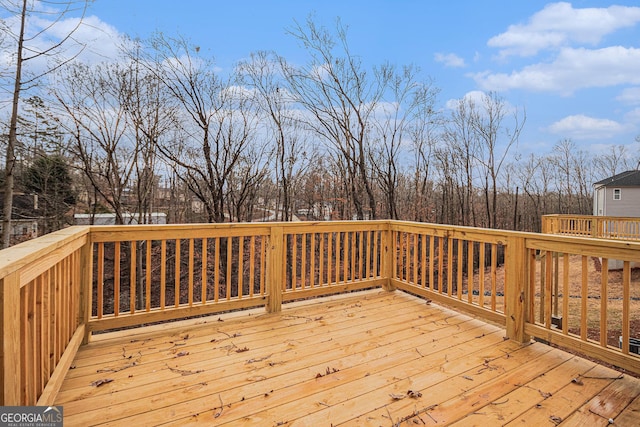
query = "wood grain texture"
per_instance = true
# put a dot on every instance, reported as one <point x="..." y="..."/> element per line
<point x="365" y="358"/>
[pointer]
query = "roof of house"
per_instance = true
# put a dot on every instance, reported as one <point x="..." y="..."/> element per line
<point x="25" y="206"/>
<point x="623" y="179"/>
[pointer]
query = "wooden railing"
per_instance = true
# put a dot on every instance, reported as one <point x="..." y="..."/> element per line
<point x="59" y="289"/>
<point x="42" y="296"/>
<point x="577" y="301"/>
<point x="454" y="265"/>
<point x="606" y="227"/>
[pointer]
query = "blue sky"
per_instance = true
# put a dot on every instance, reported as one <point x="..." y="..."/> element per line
<point x="574" y="66"/>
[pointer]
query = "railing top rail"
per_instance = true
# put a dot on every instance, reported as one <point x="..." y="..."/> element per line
<point x="596" y="217"/>
<point x="21" y="255"/>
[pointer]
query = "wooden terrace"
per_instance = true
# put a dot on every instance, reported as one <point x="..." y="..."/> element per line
<point x="379" y="323"/>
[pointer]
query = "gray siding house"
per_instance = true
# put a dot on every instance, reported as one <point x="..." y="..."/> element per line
<point x="618" y="195"/>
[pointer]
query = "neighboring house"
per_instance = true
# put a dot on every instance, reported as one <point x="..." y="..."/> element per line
<point x="110" y="218"/>
<point x="24" y="218"/>
<point x="618" y="195"/>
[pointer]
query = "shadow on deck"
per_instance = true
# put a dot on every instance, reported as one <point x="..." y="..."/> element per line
<point x="368" y="358"/>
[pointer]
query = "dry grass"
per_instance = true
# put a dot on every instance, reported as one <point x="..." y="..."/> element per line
<point x="596" y="300"/>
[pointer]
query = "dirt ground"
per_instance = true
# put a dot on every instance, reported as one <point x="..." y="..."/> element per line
<point x="597" y="301"/>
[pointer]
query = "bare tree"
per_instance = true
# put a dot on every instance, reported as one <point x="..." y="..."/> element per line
<point x="407" y="102"/>
<point x="464" y="146"/>
<point x="263" y="74"/>
<point x="615" y="161"/>
<point x="219" y="122"/>
<point x="102" y="138"/>
<point x="26" y="51"/>
<point x="496" y="140"/>
<point x="340" y="97"/>
<point x="152" y="113"/>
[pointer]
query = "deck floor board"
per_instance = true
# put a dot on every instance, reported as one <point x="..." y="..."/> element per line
<point x="345" y="360"/>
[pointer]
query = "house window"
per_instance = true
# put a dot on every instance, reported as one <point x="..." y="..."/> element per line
<point x="617" y="194"/>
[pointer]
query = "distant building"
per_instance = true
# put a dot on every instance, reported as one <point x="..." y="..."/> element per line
<point x="24" y="218"/>
<point x="110" y="218"/>
<point x="618" y="195"/>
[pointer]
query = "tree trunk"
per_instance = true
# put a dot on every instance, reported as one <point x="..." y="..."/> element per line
<point x="11" y="144"/>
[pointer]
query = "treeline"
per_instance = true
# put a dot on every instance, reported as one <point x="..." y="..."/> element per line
<point x="163" y="129"/>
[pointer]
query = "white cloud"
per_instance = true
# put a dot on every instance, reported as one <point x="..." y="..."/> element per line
<point x="479" y="100"/>
<point x="633" y="116"/>
<point x="559" y="24"/>
<point x="572" y="70"/>
<point x="92" y="41"/>
<point x="584" y="127"/>
<point x="630" y="96"/>
<point x="475" y="96"/>
<point x="450" y="60"/>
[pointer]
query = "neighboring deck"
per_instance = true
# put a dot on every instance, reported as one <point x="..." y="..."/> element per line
<point x="369" y="358"/>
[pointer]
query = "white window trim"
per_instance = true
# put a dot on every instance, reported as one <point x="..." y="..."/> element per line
<point x="619" y="194"/>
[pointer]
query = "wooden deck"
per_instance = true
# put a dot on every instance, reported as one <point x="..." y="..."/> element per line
<point x="370" y="358"/>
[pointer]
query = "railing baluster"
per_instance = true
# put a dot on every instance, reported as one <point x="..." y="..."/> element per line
<point x="459" y="265"/>
<point x="163" y="273"/>
<point x="176" y="279"/>
<point x="626" y="299"/>
<point x="303" y="260"/>
<point x="481" y="265"/>
<point x="584" y="295"/>
<point x="449" y="266"/>
<point x="470" y="285"/>
<point x="216" y="271"/>
<point x="252" y="264"/>
<point x="191" y="272"/>
<point x="240" y="284"/>
<point x="228" y="273"/>
<point x="100" y="278"/>
<point x="604" y="297"/>
<point x="565" y="294"/>
<point x="203" y="271"/>
<point x="116" y="279"/>
<point x="148" y="277"/>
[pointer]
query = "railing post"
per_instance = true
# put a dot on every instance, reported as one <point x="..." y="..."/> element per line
<point x="545" y="224"/>
<point x="275" y="277"/>
<point x="10" y="327"/>
<point x="595" y="226"/>
<point x="86" y="284"/>
<point x="516" y="288"/>
<point x="387" y="250"/>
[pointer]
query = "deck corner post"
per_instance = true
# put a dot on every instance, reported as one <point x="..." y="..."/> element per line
<point x="10" y="374"/>
<point x="86" y="282"/>
<point x="596" y="226"/>
<point x="516" y="289"/>
<point x="275" y="263"/>
<point x="387" y="251"/>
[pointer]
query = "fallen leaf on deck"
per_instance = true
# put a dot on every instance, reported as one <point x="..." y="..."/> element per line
<point x="327" y="372"/>
<point x="182" y="353"/>
<point x="414" y="394"/>
<point x="396" y="396"/>
<point x="184" y="372"/>
<point x="259" y="359"/>
<point x="98" y="383"/>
